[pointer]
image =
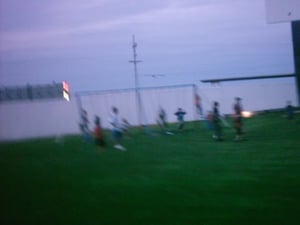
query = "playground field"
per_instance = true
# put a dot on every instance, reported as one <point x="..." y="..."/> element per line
<point x="181" y="179"/>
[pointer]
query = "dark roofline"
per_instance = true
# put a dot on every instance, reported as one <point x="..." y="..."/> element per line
<point x="248" y="78"/>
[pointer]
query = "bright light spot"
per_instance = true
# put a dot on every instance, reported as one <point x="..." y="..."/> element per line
<point x="66" y="95"/>
<point x="247" y="114"/>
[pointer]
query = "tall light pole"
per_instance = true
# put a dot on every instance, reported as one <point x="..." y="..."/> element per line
<point x="136" y="80"/>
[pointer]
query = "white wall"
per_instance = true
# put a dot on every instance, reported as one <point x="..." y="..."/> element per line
<point x="169" y="98"/>
<point x="21" y="120"/>
<point x="255" y="97"/>
<point x="51" y="118"/>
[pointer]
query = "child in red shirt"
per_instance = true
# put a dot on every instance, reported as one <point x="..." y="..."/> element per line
<point x="98" y="134"/>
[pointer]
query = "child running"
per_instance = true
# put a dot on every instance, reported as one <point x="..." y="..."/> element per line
<point x="116" y="129"/>
<point x="162" y="121"/>
<point x="180" y="118"/>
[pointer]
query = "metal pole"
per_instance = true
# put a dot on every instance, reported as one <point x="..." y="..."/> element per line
<point x="296" y="46"/>
<point x="136" y="81"/>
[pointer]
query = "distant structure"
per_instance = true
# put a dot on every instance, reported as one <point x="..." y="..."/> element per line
<point x="35" y="92"/>
<point x="278" y="11"/>
<point x="246" y="78"/>
<point x="296" y="45"/>
<point x="288" y="11"/>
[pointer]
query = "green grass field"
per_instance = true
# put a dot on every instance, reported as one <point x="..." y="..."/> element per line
<point x="184" y="179"/>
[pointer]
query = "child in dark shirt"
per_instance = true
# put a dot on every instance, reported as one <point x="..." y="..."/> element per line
<point x="180" y="118"/>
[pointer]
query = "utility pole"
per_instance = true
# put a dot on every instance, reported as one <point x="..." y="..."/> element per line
<point x="136" y="81"/>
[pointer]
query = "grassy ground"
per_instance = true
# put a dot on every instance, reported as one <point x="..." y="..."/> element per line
<point x="184" y="179"/>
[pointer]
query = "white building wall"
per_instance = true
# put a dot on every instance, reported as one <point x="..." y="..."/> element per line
<point x="21" y="120"/>
<point x="169" y="98"/>
<point x="255" y="97"/>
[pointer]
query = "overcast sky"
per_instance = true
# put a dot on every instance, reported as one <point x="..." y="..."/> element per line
<point x="88" y="43"/>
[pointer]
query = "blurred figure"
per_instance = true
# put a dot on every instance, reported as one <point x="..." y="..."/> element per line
<point x="125" y="125"/>
<point x="198" y="105"/>
<point x="116" y="129"/>
<point x="209" y="120"/>
<point x="180" y="118"/>
<point x="162" y="121"/>
<point x="290" y="110"/>
<point x="162" y="118"/>
<point x="84" y="126"/>
<point x="98" y="134"/>
<point x="216" y="119"/>
<point x="238" y="119"/>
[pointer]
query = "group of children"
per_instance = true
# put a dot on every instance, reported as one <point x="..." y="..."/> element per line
<point x="119" y="127"/>
<point x="216" y="120"/>
<point x="162" y="119"/>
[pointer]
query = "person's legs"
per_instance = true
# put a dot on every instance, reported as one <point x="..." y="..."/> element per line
<point x="117" y="135"/>
<point x="238" y="127"/>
